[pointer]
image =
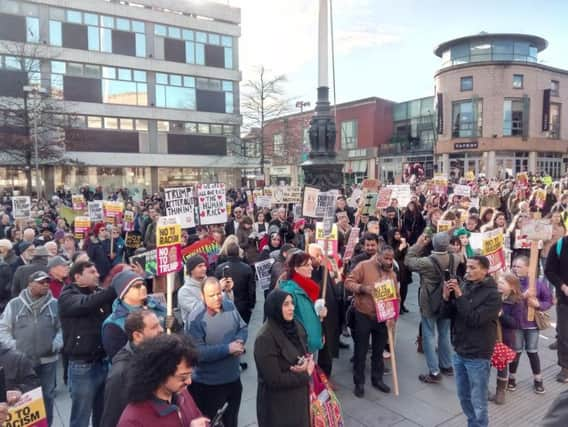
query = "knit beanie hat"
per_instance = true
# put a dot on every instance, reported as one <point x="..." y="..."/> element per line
<point x="23" y="246"/>
<point x="441" y="241"/>
<point x="462" y="231"/>
<point x="123" y="281"/>
<point x="194" y="261"/>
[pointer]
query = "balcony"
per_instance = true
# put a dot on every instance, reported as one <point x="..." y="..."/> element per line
<point x="406" y="145"/>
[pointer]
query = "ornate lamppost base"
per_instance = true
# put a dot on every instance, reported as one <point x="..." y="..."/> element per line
<point x="326" y="176"/>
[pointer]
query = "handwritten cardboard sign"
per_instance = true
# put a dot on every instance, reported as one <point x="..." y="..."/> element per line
<point x="310" y="202"/>
<point x="212" y="203"/>
<point x="21" y="207"/>
<point x="179" y="202"/>
<point x="95" y="209"/>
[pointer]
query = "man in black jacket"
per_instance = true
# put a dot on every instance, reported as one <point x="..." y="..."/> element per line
<point x="82" y="308"/>
<point x="139" y="326"/>
<point x="474" y="309"/>
<point x="556" y="272"/>
<point x="18" y="370"/>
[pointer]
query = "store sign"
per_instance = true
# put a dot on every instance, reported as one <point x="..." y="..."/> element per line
<point x="466" y="145"/>
<point x="280" y="171"/>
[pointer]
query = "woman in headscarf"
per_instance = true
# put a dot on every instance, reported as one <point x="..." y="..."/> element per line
<point x="273" y="244"/>
<point x="284" y="369"/>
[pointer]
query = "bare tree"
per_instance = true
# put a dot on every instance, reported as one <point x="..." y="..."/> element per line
<point x="26" y="116"/>
<point x="263" y="99"/>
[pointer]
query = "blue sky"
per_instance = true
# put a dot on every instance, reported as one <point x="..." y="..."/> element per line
<point x="385" y="48"/>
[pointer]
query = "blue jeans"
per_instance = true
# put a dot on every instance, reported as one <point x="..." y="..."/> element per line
<point x="47" y="375"/>
<point x="86" y="386"/>
<point x="472" y="378"/>
<point x="443" y="357"/>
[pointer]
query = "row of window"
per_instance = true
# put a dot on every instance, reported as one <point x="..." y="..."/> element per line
<point x="492" y="50"/>
<point x="467" y="118"/>
<point x="189" y="35"/>
<point x="466" y="84"/>
<point x="31" y="66"/>
<point x="195" y="128"/>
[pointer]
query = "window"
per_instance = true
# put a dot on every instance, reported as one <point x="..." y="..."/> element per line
<point x="173" y="91"/>
<point x="513" y="117"/>
<point x="142" y="125"/>
<point x="278" y="144"/>
<point x="467" y="118"/>
<point x="163" y="126"/>
<point x="518" y="81"/>
<point x="94" y="122"/>
<point x="55" y="34"/>
<point x="32" y="29"/>
<point x="554" y="127"/>
<point x="466" y="83"/>
<point x="554" y="88"/>
<point x="349" y="134"/>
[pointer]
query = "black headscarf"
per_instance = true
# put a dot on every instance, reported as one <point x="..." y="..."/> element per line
<point x="273" y="310"/>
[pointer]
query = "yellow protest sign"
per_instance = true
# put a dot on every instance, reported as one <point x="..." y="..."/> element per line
<point x="491" y="243"/>
<point x="168" y="235"/>
<point x="445" y="225"/>
<point x="29" y="411"/>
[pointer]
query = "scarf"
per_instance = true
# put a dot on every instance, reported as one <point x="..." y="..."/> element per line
<point x="309" y="286"/>
<point x="273" y="310"/>
<point x="35" y="304"/>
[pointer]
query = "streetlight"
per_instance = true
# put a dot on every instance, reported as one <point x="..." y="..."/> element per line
<point x="301" y="105"/>
<point x="38" y="91"/>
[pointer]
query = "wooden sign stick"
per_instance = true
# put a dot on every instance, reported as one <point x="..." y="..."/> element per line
<point x="533" y="268"/>
<point x="393" y="360"/>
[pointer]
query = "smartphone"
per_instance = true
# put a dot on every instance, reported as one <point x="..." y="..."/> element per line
<point x="226" y="272"/>
<point x="3" y="397"/>
<point x="447" y="275"/>
<point x="216" y="421"/>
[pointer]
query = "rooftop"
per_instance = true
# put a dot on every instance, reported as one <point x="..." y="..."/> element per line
<point x="537" y="41"/>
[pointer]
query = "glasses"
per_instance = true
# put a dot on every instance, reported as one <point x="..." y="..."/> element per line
<point x="183" y="377"/>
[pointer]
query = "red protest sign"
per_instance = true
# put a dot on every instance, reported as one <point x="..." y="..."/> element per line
<point x="386" y="300"/>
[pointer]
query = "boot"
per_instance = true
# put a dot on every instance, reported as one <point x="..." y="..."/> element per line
<point x="419" y="348"/>
<point x="500" y="393"/>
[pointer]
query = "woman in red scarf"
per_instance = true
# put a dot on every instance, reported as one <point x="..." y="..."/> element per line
<point x="308" y="309"/>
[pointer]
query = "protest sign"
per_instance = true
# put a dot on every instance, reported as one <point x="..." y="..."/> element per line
<point x="133" y="240"/>
<point x="355" y="196"/>
<point x="29" y="411"/>
<point x="370" y="184"/>
<point x="285" y="195"/>
<point x="440" y="185"/>
<point x="208" y="248"/>
<point x="297" y="211"/>
<point x="310" y="202"/>
<point x="21" y="207"/>
<point x="263" y="201"/>
<point x="128" y="221"/>
<point x="369" y="204"/>
<point x="95" y="209"/>
<point x="537" y="229"/>
<point x="82" y="226"/>
<point x="444" y="225"/>
<point x="470" y="176"/>
<point x="386" y="300"/>
<point x="539" y="198"/>
<point x="113" y="212"/>
<point x="462" y="190"/>
<point x="168" y="245"/>
<point x="262" y="272"/>
<point x="212" y="203"/>
<point x="67" y="213"/>
<point x="179" y="203"/>
<point x="332" y="246"/>
<point x="384" y="198"/>
<point x="492" y="248"/>
<point x="351" y="242"/>
<point x="401" y="193"/>
<point x="325" y="203"/>
<point x="521" y="241"/>
<point x="78" y="202"/>
<point x="147" y="260"/>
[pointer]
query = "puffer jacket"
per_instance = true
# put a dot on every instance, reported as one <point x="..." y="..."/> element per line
<point x="429" y="276"/>
<point x="37" y="334"/>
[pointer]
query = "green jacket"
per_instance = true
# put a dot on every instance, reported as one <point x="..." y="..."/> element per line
<point x="305" y="313"/>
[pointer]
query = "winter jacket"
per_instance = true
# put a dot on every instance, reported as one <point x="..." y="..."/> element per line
<point x="82" y="312"/>
<point x="35" y="333"/>
<point x="113" y="335"/>
<point x="430" y="279"/>
<point x="555" y="269"/>
<point x="305" y="314"/>
<point x="156" y="412"/>
<point x="23" y="273"/>
<point x="544" y="298"/>
<point x="116" y="392"/>
<point x="244" y="287"/>
<point x="189" y="297"/>
<point x="5" y="282"/>
<point x="274" y="354"/>
<point x="99" y="256"/>
<point x="18" y="369"/>
<point x="510" y="320"/>
<point x="475" y="315"/>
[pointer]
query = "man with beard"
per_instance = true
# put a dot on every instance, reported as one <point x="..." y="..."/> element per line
<point x="362" y="282"/>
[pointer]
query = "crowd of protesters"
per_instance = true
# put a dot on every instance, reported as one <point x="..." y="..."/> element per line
<point x="89" y="303"/>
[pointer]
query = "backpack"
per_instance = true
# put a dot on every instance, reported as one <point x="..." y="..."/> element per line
<point x="435" y="296"/>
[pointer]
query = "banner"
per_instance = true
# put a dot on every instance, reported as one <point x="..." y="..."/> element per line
<point x="78" y="202"/>
<point x="262" y="273"/>
<point x="310" y="202"/>
<point x="401" y="193"/>
<point x="95" y="209"/>
<point x="208" y="248"/>
<point x="462" y="190"/>
<point x="168" y="246"/>
<point x="128" y="221"/>
<point x="21" y="207"/>
<point x="212" y="203"/>
<point x="284" y="195"/>
<point x="384" y="198"/>
<point x="492" y="248"/>
<point x="179" y="203"/>
<point x="82" y="227"/>
<point x="386" y="300"/>
<point x="113" y="212"/>
<point x="332" y="243"/>
<point x="351" y="242"/>
<point x="29" y="411"/>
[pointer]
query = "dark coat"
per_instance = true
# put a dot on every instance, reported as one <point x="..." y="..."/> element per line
<point x="116" y="392"/>
<point x="98" y="255"/>
<point x="278" y="387"/>
<point x="331" y="323"/>
<point x="244" y="287"/>
<point x="20" y="374"/>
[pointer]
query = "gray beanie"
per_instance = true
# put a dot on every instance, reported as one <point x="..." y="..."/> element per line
<point x="441" y="241"/>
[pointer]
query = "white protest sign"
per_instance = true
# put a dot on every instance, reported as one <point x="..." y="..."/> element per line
<point x="325" y="204"/>
<point x="262" y="271"/>
<point x="212" y="203"/>
<point x="462" y="190"/>
<point x="401" y="193"/>
<point x="263" y="201"/>
<point x="21" y="207"/>
<point x="95" y="209"/>
<point x="537" y="229"/>
<point x="179" y="203"/>
<point x="310" y="202"/>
